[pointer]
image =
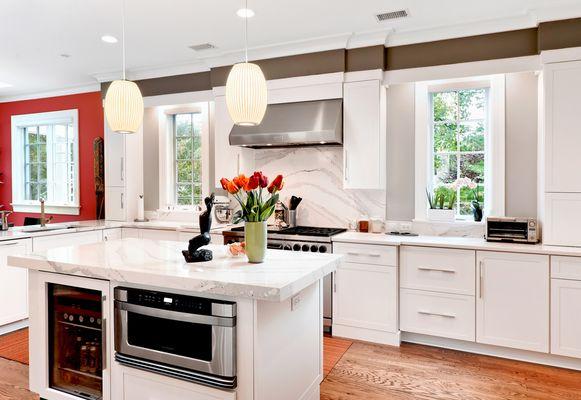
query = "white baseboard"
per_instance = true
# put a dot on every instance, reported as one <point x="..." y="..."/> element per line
<point x="495" y="351"/>
<point x="14" y="326"/>
<point x="367" y="335"/>
<point x="314" y="390"/>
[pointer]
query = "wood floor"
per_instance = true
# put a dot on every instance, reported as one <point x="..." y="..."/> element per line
<point x="363" y="371"/>
<point x="14" y="346"/>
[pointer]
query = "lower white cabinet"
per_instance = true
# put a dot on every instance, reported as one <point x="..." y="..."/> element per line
<point x="13" y="283"/>
<point x="66" y="239"/>
<point x="512" y="305"/>
<point x="437" y="314"/>
<point x="566" y="317"/>
<point x="365" y="302"/>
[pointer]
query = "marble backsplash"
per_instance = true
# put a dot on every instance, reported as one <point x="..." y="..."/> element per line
<point x="316" y="175"/>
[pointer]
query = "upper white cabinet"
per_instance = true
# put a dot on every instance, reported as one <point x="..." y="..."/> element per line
<point x="364" y="135"/>
<point x="512" y="305"/>
<point x="13" y="283"/>
<point x="562" y="219"/>
<point x="562" y="88"/>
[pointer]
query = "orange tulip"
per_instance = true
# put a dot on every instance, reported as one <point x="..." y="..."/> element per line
<point x="241" y="181"/>
<point x="276" y="185"/>
<point x="229" y="186"/>
<point x="224" y="183"/>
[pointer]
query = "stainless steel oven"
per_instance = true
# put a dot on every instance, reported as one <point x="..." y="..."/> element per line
<point x="186" y="337"/>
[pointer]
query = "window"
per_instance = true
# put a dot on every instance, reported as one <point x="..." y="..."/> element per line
<point x="188" y="158"/>
<point x="45" y="162"/>
<point x="458" y="131"/>
<point x="459" y="141"/>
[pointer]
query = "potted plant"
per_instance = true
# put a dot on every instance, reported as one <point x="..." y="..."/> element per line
<point x="441" y="203"/>
<point x="255" y="209"/>
<point x="476" y="203"/>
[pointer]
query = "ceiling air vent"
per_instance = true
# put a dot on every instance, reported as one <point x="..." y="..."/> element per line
<point x="388" y="16"/>
<point x="202" y="47"/>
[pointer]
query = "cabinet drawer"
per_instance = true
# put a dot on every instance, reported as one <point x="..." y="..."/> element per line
<point x="438" y="270"/>
<point x="438" y="314"/>
<point x="566" y="267"/>
<point x="367" y="253"/>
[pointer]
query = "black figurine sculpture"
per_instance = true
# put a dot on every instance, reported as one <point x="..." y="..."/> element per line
<point x="192" y="254"/>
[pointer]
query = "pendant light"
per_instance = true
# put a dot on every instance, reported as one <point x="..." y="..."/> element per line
<point x="246" y="93"/>
<point x="123" y="101"/>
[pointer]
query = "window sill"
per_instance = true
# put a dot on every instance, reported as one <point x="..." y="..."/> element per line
<point x="455" y="222"/>
<point x="48" y="209"/>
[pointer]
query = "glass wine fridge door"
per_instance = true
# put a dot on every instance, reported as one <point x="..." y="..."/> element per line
<point x="75" y="341"/>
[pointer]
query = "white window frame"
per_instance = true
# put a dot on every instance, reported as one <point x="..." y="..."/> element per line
<point x="167" y="160"/>
<point x="494" y="180"/>
<point x="18" y="122"/>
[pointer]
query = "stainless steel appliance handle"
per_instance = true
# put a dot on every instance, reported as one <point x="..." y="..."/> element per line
<point x="104" y="343"/>
<point x="175" y="315"/>
<point x="450" y="271"/>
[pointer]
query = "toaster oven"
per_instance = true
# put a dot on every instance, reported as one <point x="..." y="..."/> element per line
<point x="507" y="229"/>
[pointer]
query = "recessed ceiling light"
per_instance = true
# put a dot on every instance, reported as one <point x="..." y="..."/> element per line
<point x="109" y="39"/>
<point x="245" y="13"/>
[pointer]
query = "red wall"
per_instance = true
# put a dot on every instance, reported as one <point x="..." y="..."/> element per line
<point x="90" y="126"/>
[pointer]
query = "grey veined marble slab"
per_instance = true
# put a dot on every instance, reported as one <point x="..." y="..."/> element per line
<point x="160" y="264"/>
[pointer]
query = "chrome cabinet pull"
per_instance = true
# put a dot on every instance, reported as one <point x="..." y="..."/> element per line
<point x="436" y="314"/>
<point x="353" y="253"/>
<point x="481" y="280"/>
<point x="9" y="244"/>
<point x="122" y="202"/>
<point x="449" y="271"/>
<point x="122" y="169"/>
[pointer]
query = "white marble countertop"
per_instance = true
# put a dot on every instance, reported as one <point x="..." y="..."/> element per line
<point x="161" y="264"/>
<point x="20" y="232"/>
<point x="455" y="243"/>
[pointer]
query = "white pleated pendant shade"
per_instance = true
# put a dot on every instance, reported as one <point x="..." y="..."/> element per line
<point x="246" y="94"/>
<point x="124" y="107"/>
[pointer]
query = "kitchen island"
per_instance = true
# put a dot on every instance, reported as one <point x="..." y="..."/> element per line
<point x="275" y="308"/>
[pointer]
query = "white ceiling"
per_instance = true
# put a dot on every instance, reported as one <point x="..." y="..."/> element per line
<point x="36" y="32"/>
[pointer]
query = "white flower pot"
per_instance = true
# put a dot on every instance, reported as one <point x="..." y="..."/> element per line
<point x="441" y="215"/>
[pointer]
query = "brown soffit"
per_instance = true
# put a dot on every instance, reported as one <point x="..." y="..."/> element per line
<point x="560" y="34"/>
<point x="473" y="48"/>
<point x="194" y="82"/>
<point x="365" y="58"/>
<point x="322" y="62"/>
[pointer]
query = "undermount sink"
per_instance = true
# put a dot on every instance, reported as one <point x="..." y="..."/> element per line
<point x="36" y="229"/>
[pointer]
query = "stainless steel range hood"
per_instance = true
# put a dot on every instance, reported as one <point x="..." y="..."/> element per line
<point x="294" y="124"/>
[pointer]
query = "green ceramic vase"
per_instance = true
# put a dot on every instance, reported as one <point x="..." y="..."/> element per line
<point x="255" y="237"/>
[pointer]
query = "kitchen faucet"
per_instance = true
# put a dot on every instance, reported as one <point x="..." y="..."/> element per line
<point x="43" y="219"/>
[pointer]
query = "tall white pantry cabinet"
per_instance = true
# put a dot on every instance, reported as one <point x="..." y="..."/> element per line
<point x="560" y="160"/>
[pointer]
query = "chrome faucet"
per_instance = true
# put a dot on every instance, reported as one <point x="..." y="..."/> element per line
<point x="43" y="219"/>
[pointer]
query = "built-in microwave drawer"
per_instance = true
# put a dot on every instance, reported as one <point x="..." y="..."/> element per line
<point x="438" y="270"/>
<point x="367" y="253"/>
<point x="438" y="314"/>
<point x="566" y="267"/>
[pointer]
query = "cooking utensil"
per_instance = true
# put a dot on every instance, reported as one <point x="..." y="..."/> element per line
<point x="294" y="202"/>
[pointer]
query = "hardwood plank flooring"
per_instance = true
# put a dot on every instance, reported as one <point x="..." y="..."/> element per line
<point x="14" y="346"/>
<point x="357" y="370"/>
<point x="374" y="372"/>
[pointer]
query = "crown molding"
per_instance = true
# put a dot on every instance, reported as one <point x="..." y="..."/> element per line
<point x="88" y="88"/>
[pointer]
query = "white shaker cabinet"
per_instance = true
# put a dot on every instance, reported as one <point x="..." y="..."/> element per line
<point x="365" y="300"/>
<point x="512" y="304"/>
<point x="566" y="317"/>
<point x="364" y="134"/>
<point x="562" y="86"/>
<point x="13" y="283"/>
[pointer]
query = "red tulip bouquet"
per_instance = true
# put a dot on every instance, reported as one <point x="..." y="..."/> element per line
<point x="254" y="209"/>
<point x="248" y="191"/>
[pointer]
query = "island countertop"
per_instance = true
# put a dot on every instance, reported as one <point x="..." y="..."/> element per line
<point x="161" y="264"/>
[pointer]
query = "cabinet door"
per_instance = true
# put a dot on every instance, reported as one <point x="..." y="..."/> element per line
<point x="512" y="305"/>
<point x="66" y="239"/>
<point x="114" y="158"/>
<point x="69" y="355"/>
<point x="364" y="135"/>
<point x="562" y="126"/>
<point x="227" y="158"/>
<point x="565" y="318"/>
<point x="562" y="219"/>
<point x="13" y="283"/>
<point x="115" y="203"/>
<point x="366" y="297"/>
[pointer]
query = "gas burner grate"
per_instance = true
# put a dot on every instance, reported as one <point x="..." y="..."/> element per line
<point x="312" y="231"/>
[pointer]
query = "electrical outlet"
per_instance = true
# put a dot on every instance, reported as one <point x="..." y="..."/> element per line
<point x="296" y="301"/>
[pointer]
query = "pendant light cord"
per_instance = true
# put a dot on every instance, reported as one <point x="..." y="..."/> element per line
<point x="123" y="34"/>
<point x="246" y="31"/>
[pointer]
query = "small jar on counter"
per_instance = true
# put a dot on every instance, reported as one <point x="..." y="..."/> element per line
<point x="363" y="224"/>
